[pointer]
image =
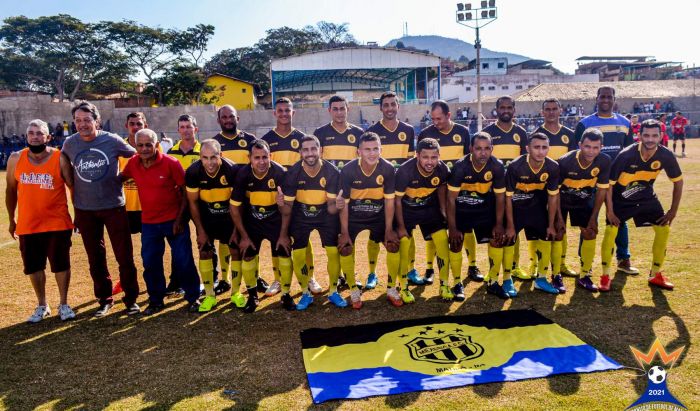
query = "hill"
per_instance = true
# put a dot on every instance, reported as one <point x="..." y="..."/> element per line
<point x="452" y="48"/>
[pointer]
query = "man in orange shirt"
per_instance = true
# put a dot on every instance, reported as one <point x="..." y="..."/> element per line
<point x="37" y="176"/>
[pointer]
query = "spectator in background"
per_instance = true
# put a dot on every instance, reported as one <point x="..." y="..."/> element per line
<point x="664" y="135"/>
<point x="678" y="129"/>
<point x="165" y="142"/>
<point x="635" y="125"/>
<point x="66" y="129"/>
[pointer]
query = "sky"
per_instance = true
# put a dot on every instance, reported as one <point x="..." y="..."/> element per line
<point x="557" y="31"/>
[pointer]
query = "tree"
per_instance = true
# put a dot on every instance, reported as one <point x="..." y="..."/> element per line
<point x="244" y="63"/>
<point x="334" y="35"/>
<point x="182" y="84"/>
<point x="193" y="42"/>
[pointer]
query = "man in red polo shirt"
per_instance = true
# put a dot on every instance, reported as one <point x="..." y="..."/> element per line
<point x="161" y="182"/>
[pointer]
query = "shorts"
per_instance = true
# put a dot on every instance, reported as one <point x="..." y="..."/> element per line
<point x="376" y="230"/>
<point x="680" y="136"/>
<point x="221" y="229"/>
<point x="533" y="220"/>
<point x="428" y="223"/>
<point x="644" y="214"/>
<point x="36" y="248"/>
<point x="265" y="230"/>
<point x="134" y="221"/>
<point x="481" y="223"/>
<point x="328" y="229"/>
<point x="579" y="216"/>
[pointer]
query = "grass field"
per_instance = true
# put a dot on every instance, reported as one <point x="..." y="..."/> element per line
<point x="227" y="359"/>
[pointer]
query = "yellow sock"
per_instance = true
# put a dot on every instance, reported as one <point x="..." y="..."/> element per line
<point x="249" y="268"/>
<point x="412" y="255"/>
<point x="564" y="246"/>
<point x="508" y="252"/>
<point x="310" y="258"/>
<point x="587" y="255"/>
<point x="276" y="269"/>
<point x="236" y="276"/>
<point x="333" y="267"/>
<point x="661" y="234"/>
<point x="442" y="250"/>
<point x="286" y="274"/>
<point x="556" y="257"/>
<point x="516" y="252"/>
<point x="392" y="267"/>
<point x="607" y="248"/>
<point x="429" y="254"/>
<point x="206" y="271"/>
<point x="532" y="252"/>
<point x="470" y="246"/>
<point x="224" y="258"/>
<point x="404" y="253"/>
<point x="455" y="267"/>
<point x="347" y="263"/>
<point x="301" y="270"/>
<point x="544" y="256"/>
<point x="495" y="261"/>
<point x="372" y="255"/>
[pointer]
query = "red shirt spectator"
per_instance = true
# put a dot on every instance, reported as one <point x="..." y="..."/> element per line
<point x="678" y="124"/>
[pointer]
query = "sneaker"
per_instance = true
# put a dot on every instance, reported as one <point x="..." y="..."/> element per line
<point x="475" y="274"/>
<point x="342" y="283"/>
<point x="171" y="290"/>
<point x="65" y="312"/>
<point x="407" y="297"/>
<point x="458" y="292"/>
<point x="558" y="283"/>
<point x="238" y="299"/>
<point x="315" y="287"/>
<point x="446" y="293"/>
<point x="222" y="287"/>
<point x="262" y="285"/>
<point x="660" y="280"/>
<point x="586" y="283"/>
<point x="288" y="302"/>
<point x="41" y="312"/>
<point x="567" y="272"/>
<point x="103" y="310"/>
<point x="520" y="274"/>
<point x="193" y="307"/>
<point x="133" y="309"/>
<point x="414" y="278"/>
<point x="496" y="289"/>
<point x="683" y="155"/>
<point x="272" y="289"/>
<point x="605" y="283"/>
<point x="153" y="309"/>
<point x="372" y="281"/>
<point x="392" y="294"/>
<point x="428" y="276"/>
<point x="356" y="299"/>
<point x="625" y="266"/>
<point x="305" y="301"/>
<point x="542" y="284"/>
<point x="252" y="304"/>
<point x="509" y="288"/>
<point x="337" y="300"/>
<point x="207" y="304"/>
<point x="117" y="288"/>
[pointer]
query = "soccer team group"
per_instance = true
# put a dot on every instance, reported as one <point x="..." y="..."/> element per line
<point x="239" y="190"/>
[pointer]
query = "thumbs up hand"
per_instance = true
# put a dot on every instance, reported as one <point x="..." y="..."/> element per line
<point x="339" y="200"/>
<point x="279" y="199"/>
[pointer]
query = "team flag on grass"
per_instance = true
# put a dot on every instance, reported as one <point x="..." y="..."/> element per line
<point x="441" y="352"/>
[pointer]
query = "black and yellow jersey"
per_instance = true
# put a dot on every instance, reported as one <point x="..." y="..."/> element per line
<point x="339" y="147"/>
<point x="310" y="192"/>
<point x="529" y="187"/>
<point x="235" y="148"/>
<point x="476" y="187"/>
<point x="454" y="143"/>
<point x="214" y="190"/>
<point x="507" y="144"/>
<point x="632" y="178"/>
<point x="560" y="142"/>
<point x="577" y="184"/>
<point x="188" y="158"/>
<point x="366" y="192"/>
<point x="418" y="191"/>
<point x="258" y="195"/>
<point x="284" y="149"/>
<point x="398" y="145"/>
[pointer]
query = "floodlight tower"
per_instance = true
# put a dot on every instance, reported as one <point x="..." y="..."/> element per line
<point x="477" y="18"/>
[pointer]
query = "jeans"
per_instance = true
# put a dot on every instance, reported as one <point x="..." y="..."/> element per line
<point x="622" y="242"/>
<point x="153" y="238"/>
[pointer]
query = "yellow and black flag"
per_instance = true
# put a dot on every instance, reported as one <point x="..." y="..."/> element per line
<point x="441" y="352"/>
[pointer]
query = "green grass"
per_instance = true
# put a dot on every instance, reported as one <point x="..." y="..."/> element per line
<point x="227" y="359"/>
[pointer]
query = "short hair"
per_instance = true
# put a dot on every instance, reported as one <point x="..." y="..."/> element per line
<point x="482" y="135"/>
<point x="537" y="136"/>
<point x="442" y="104"/>
<point x="148" y="132"/>
<point x="282" y="100"/>
<point x="549" y="100"/>
<point x="336" y="98"/>
<point x="43" y="126"/>
<point x="593" y="134"/>
<point x="678" y="112"/>
<point x="649" y="123"/>
<point x="187" y="117"/>
<point x="635" y="116"/>
<point x="498" y="101"/>
<point x="86" y="106"/>
<point x="386" y="94"/>
<point x="368" y="137"/>
<point x="310" y="137"/>
<point x="603" y="88"/>
<point x="427" y="144"/>
<point x="260" y="144"/>
<point x="211" y="143"/>
<point x="136" y="114"/>
<point x="218" y="112"/>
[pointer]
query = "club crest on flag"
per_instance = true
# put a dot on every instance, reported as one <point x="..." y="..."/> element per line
<point x="443" y="348"/>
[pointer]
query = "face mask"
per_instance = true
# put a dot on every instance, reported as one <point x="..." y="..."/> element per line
<point x="37" y="149"/>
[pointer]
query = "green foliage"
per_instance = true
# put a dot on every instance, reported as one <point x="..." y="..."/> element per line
<point x="182" y="84"/>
